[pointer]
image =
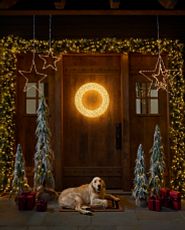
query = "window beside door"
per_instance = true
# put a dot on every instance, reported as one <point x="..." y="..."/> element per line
<point x="33" y="95"/>
<point x="147" y="99"/>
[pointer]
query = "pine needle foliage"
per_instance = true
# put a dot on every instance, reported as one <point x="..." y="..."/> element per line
<point x="43" y="158"/>
<point x="157" y="164"/>
<point x="19" y="182"/>
<point x="140" y="180"/>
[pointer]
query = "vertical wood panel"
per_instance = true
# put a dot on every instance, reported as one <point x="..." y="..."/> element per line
<point x="142" y="127"/>
<point x="26" y="123"/>
<point x="126" y="121"/>
<point x="89" y="143"/>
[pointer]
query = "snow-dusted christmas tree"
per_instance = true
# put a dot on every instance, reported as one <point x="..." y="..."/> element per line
<point x="157" y="164"/>
<point x="140" y="180"/>
<point x="43" y="158"/>
<point x="19" y="182"/>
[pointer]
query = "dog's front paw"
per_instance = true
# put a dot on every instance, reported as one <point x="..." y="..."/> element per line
<point x="87" y="212"/>
<point x="116" y="199"/>
<point x="105" y="203"/>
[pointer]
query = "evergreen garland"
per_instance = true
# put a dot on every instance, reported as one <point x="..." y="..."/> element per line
<point x="11" y="45"/>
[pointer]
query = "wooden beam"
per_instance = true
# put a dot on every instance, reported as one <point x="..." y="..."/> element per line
<point x="59" y="5"/>
<point x="114" y="4"/>
<point x="93" y="12"/>
<point x="6" y="4"/>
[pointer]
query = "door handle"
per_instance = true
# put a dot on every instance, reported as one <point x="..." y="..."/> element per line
<point x="118" y="135"/>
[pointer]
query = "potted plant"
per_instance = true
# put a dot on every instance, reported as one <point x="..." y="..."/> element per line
<point x="140" y="191"/>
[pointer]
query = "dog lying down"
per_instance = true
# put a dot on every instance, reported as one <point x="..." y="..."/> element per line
<point x="87" y="196"/>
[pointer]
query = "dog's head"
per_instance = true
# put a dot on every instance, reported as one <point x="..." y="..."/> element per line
<point x="98" y="184"/>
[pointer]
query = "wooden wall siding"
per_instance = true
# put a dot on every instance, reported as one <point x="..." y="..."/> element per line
<point x="90" y="4"/>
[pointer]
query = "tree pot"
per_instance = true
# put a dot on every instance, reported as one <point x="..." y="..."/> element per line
<point x="140" y="202"/>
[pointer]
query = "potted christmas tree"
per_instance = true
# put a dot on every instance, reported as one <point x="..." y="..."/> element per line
<point x="140" y="181"/>
<point x="43" y="158"/>
<point x="19" y="182"/>
<point x="157" y="164"/>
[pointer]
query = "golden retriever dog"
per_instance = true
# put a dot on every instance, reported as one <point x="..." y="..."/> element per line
<point x="87" y="196"/>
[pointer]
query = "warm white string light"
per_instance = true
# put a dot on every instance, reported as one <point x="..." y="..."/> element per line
<point x="159" y="71"/>
<point x="50" y="60"/>
<point x="90" y="87"/>
<point x="32" y="72"/>
<point x="33" y="69"/>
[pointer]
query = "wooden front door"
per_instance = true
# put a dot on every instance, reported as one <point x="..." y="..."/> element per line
<point x="91" y="146"/>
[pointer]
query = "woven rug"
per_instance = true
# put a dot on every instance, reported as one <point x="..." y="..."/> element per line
<point x="111" y="208"/>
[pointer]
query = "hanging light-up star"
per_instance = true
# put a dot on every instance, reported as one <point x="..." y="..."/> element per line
<point x="29" y="74"/>
<point x="158" y="77"/>
<point x="50" y="61"/>
<point x="161" y="77"/>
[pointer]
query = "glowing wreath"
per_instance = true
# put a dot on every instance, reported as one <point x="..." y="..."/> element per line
<point x="92" y="99"/>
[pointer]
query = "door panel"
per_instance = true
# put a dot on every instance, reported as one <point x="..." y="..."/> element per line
<point x="142" y="124"/>
<point x="26" y="107"/>
<point x="89" y="144"/>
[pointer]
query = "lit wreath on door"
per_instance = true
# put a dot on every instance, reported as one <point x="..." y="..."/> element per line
<point x="91" y="100"/>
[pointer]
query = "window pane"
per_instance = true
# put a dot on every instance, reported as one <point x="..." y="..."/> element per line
<point x="140" y="89"/>
<point x="30" y="106"/>
<point x="137" y="89"/>
<point x="154" y="93"/>
<point x="41" y="89"/>
<point x="143" y="106"/>
<point x="153" y="106"/>
<point x="31" y="90"/>
<point x="138" y="106"/>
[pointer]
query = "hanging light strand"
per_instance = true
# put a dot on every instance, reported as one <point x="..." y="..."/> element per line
<point x="157" y="77"/>
<point x="49" y="59"/>
<point x="50" y="23"/>
<point x="27" y="74"/>
<point x="157" y="27"/>
<point x="158" y="32"/>
<point x="33" y="32"/>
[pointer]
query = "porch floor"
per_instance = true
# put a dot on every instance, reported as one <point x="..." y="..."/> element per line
<point x="131" y="218"/>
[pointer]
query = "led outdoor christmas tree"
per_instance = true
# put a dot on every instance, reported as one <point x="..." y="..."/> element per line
<point x="140" y="181"/>
<point x="19" y="182"/>
<point x="43" y="175"/>
<point x="157" y="164"/>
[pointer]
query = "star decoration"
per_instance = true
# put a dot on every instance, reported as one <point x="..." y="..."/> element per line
<point x="157" y="77"/>
<point x="49" y="60"/>
<point x="32" y="72"/>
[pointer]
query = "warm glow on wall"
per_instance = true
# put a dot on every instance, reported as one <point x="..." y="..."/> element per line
<point x="92" y="99"/>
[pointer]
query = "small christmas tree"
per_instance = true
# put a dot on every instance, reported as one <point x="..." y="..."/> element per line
<point x="19" y="182"/>
<point x="157" y="164"/>
<point x="140" y="181"/>
<point x="43" y="172"/>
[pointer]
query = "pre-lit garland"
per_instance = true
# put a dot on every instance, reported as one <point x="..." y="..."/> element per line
<point x="9" y="46"/>
<point x="7" y="113"/>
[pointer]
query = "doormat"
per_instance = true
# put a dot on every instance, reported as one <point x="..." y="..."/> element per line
<point x="119" y="207"/>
